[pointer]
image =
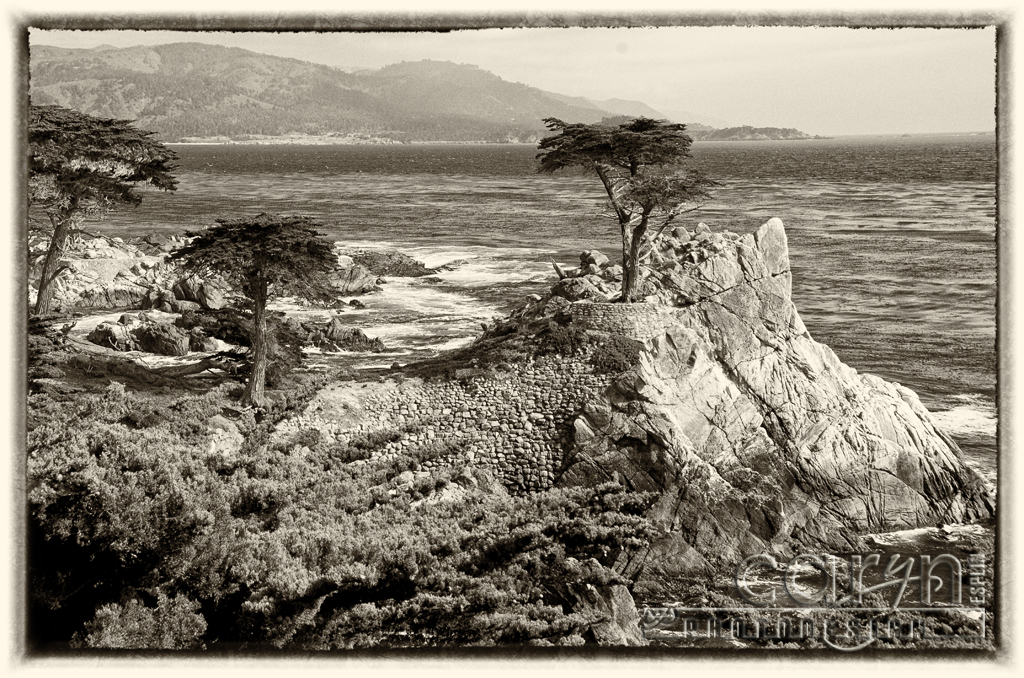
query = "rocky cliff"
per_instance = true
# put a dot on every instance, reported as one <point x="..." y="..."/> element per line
<point x="710" y="393"/>
<point x="758" y="438"/>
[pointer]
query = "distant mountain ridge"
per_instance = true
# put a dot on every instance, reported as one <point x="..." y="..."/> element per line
<point x="191" y="91"/>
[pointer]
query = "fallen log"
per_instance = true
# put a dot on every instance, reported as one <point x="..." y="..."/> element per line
<point x="121" y="364"/>
<point x="193" y="368"/>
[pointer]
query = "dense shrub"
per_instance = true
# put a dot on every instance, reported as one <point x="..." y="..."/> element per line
<point x="565" y="340"/>
<point x="614" y="354"/>
<point x="140" y="537"/>
<point x="173" y="624"/>
<point x="608" y="353"/>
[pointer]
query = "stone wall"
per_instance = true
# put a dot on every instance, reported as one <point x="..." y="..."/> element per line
<point x="518" y="425"/>
<point x="637" y="321"/>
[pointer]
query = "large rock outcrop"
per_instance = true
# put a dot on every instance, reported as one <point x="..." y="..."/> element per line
<point x="110" y="273"/>
<point x="99" y="273"/>
<point x="362" y="271"/>
<point x="758" y="438"/>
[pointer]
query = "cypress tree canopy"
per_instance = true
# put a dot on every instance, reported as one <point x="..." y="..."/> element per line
<point x="92" y="164"/>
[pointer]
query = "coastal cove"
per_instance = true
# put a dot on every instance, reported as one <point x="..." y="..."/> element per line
<point x="478" y="447"/>
<point x="892" y="241"/>
<point x="413" y="339"/>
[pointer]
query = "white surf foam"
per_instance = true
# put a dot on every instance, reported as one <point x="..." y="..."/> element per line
<point x="952" y="532"/>
<point x="968" y="414"/>
<point x="485" y="272"/>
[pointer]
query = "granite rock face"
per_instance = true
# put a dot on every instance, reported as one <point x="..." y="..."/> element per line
<point x="333" y="335"/>
<point x="102" y="273"/>
<point x="389" y="263"/>
<point x="162" y="339"/>
<point x="574" y="289"/>
<point x="209" y="294"/>
<point x="141" y="333"/>
<point x="99" y="274"/>
<point x="353" y="278"/>
<point x="758" y="438"/>
<point x="609" y="604"/>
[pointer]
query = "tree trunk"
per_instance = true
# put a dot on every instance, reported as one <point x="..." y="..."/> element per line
<point x="631" y="262"/>
<point x="632" y="236"/>
<point x="254" y="390"/>
<point x="61" y="230"/>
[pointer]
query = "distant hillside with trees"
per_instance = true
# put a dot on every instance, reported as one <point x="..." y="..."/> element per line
<point x="196" y="90"/>
<point x="747" y="133"/>
<point x="187" y="91"/>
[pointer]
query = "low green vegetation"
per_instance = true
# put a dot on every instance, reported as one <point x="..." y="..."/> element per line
<point x="507" y="343"/>
<point x="148" y="529"/>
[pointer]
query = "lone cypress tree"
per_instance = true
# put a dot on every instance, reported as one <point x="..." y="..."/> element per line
<point x="639" y="164"/>
<point x="80" y="165"/>
<point x="263" y="257"/>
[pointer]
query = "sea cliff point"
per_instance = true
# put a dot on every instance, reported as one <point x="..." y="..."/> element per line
<point x="756" y="437"/>
<point x="579" y="453"/>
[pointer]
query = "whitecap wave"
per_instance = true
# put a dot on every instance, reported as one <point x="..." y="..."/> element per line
<point x="967" y="414"/>
<point x="435" y="256"/>
<point x="485" y="272"/>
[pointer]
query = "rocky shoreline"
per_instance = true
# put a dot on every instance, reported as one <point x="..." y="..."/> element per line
<point x="108" y="274"/>
<point x="709" y="397"/>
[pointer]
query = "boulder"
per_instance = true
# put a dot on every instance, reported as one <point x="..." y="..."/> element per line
<point x="113" y="335"/>
<point x="345" y="337"/>
<point x="209" y="294"/>
<point x="181" y="306"/>
<point x="162" y="339"/>
<point x="575" y="289"/>
<point x="597" y="281"/>
<point x="593" y="257"/>
<point x="680" y="234"/>
<point x="556" y="305"/>
<point x="224" y="437"/>
<point x="198" y="341"/>
<point x="187" y="289"/>
<point x="593" y="592"/>
<point x="355" y="279"/>
<point x="757" y="438"/>
<point x="156" y="298"/>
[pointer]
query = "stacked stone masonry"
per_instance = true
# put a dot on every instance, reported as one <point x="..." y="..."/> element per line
<point x="518" y="425"/>
<point x="638" y="321"/>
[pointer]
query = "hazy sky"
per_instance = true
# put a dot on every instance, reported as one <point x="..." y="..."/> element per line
<point x="819" y="80"/>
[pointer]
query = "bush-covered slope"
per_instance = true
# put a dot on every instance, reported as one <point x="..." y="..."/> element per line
<point x="174" y="526"/>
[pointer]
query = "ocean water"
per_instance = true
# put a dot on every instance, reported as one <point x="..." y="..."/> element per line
<point x="892" y="241"/>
